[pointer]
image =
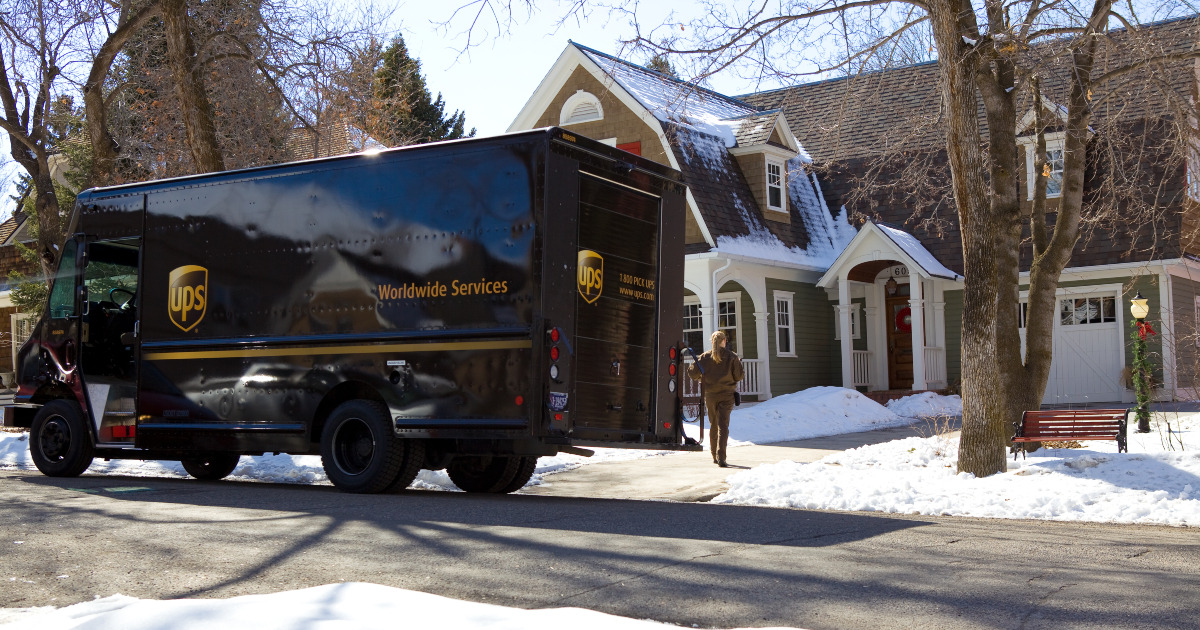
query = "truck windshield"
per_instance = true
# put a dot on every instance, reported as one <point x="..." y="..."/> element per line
<point x="62" y="297"/>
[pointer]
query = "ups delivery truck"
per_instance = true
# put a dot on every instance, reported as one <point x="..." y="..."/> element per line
<point x="467" y="305"/>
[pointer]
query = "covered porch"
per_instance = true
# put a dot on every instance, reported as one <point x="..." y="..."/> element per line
<point x="888" y="292"/>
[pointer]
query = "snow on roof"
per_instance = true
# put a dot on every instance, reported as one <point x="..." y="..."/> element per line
<point x="917" y="252"/>
<point x="675" y="101"/>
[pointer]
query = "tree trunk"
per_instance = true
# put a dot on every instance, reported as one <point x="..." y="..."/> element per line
<point x="104" y="147"/>
<point x="197" y="113"/>
<point x="981" y="449"/>
<point x="50" y="228"/>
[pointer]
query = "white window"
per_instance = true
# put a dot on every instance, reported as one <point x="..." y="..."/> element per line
<point x="1053" y="168"/>
<point x="785" y="333"/>
<point x="1092" y="310"/>
<point x="775" y="185"/>
<point x="693" y="327"/>
<point x="1195" y="331"/>
<point x="727" y="320"/>
<point x="855" y="328"/>
<point x="581" y="107"/>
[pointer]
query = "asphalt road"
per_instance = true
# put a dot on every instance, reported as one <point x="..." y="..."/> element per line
<point x="687" y="563"/>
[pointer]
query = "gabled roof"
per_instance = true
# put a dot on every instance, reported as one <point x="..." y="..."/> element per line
<point x="10" y="227"/>
<point x="881" y="242"/>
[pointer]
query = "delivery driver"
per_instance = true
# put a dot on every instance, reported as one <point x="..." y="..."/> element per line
<point x="720" y="369"/>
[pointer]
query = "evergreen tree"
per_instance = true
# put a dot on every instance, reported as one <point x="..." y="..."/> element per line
<point x="660" y="64"/>
<point x="410" y="113"/>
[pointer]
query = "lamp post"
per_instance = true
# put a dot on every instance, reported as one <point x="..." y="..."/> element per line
<point x="1142" y="372"/>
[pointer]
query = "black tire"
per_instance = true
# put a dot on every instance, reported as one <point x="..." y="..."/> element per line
<point x="359" y="451"/>
<point x="59" y="441"/>
<point x="212" y="467"/>
<point x="524" y="474"/>
<point x="414" y="457"/>
<point x="487" y="473"/>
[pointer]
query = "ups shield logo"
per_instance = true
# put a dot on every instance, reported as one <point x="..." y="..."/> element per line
<point x="591" y="275"/>
<point x="188" y="296"/>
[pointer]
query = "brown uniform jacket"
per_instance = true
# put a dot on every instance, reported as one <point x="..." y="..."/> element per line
<point x="720" y="379"/>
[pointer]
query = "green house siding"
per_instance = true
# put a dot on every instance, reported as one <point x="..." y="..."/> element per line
<point x="1186" y="333"/>
<point x="954" y="306"/>
<point x="813" y="322"/>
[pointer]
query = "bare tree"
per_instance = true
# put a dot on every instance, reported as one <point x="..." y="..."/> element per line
<point x="994" y="60"/>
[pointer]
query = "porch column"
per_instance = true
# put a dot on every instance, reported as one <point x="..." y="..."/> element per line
<point x="847" y="337"/>
<point x="915" y="305"/>
<point x="706" y="314"/>
<point x="873" y="345"/>
<point x="764" y="354"/>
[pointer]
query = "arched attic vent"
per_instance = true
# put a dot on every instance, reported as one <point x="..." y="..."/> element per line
<point x="580" y="108"/>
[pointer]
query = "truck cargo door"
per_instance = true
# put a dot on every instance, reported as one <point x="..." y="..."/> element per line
<point x="617" y="276"/>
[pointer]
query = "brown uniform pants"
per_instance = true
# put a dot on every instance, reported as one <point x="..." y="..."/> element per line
<point x="718" y="434"/>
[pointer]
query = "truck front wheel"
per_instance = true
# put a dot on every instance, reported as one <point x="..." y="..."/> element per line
<point x="58" y="441"/>
<point x="213" y="467"/>
<point x="359" y="450"/>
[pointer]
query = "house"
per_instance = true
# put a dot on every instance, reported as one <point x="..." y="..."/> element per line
<point x="14" y="326"/>
<point x="761" y="238"/>
<point x="1160" y="258"/>
<point x="773" y="260"/>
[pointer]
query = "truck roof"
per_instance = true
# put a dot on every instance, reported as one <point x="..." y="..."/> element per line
<point x="292" y="167"/>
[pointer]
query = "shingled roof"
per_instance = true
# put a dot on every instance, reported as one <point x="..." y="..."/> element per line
<point x="862" y="115"/>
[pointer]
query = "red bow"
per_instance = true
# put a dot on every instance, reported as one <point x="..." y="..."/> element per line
<point x="1144" y="328"/>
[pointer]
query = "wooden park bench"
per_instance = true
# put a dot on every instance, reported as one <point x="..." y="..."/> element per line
<point x="1054" y="425"/>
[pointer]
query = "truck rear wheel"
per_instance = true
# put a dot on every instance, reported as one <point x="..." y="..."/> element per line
<point x="59" y="442"/>
<point x="487" y="473"/>
<point x="213" y="467"/>
<point x="524" y="474"/>
<point x="359" y="450"/>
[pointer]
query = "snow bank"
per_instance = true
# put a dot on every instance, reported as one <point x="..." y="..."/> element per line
<point x="346" y="605"/>
<point x="926" y="405"/>
<point x="814" y="412"/>
<point x="917" y="476"/>
<point x="302" y="469"/>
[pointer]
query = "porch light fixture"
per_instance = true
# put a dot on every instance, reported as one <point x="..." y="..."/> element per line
<point x="890" y="285"/>
<point x="1139" y="307"/>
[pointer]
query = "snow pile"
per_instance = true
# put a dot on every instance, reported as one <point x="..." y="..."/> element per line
<point x="814" y="412"/>
<point x="346" y="605"/>
<point x="927" y="405"/>
<point x="303" y="469"/>
<point x="917" y="251"/>
<point x="917" y="476"/>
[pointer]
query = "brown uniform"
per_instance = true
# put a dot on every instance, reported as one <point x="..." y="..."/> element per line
<point x="720" y="381"/>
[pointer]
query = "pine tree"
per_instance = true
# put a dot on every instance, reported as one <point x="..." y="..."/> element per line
<point x="660" y="64"/>
<point x="410" y="114"/>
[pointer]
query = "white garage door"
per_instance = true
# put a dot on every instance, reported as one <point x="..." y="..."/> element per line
<point x="1087" y="361"/>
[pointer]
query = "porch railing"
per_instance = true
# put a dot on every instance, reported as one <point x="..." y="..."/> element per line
<point x="750" y="385"/>
<point x="862" y="368"/>
<point x="935" y="367"/>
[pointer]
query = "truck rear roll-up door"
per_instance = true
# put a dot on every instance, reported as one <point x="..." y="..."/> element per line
<point x="615" y="332"/>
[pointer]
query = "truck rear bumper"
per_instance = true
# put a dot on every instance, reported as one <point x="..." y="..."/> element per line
<point x="651" y="446"/>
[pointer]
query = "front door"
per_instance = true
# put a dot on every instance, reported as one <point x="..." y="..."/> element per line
<point x="899" y="340"/>
<point x="109" y="345"/>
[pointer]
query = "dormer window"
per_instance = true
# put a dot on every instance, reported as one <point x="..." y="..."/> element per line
<point x="1054" y="165"/>
<point x="775" y="184"/>
<point x="581" y="107"/>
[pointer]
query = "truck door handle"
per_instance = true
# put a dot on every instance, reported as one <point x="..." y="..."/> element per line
<point x="614" y="407"/>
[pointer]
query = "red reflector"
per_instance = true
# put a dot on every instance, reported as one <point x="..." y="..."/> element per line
<point x="118" y="432"/>
<point x="554" y="335"/>
<point x="520" y="400"/>
<point x="558" y="416"/>
<point x="553" y="354"/>
<point x="132" y="432"/>
<point x="666" y="425"/>
<point x="673" y="353"/>
<point x="671" y="369"/>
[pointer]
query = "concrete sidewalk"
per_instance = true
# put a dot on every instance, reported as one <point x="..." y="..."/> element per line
<point x="693" y="477"/>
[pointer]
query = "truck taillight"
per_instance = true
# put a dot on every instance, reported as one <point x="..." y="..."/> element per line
<point x="553" y="354"/>
<point x="671" y="369"/>
<point x="554" y="335"/>
<point x="674" y="353"/>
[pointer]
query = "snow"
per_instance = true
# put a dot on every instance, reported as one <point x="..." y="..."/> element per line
<point x="346" y="605"/>
<point x="926" y="405"/>
<point x="814" y="412"/>
<point x="917" y="252"/>
<point x="828" y="235"/>
<point x="1151" y="484"/>
<point x="306" y="469"/>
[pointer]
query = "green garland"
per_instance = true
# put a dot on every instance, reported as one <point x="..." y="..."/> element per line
<point x="1143" y="374"/>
